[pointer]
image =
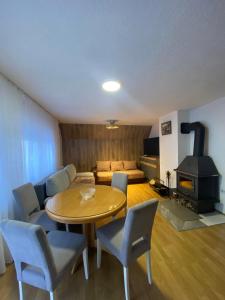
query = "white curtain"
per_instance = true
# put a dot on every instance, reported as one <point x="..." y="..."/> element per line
<point x="30" y="147"/>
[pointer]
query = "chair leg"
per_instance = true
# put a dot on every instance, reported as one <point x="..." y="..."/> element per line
<point x="85" y="262"/>
<point x="99" y="254"/>
<point x="21" y="290"/>
<point x="51" y="294"/>
<point x="74" y="267"/>
<point x="148" y="265"/>
<point x="67" y="228"/>
<point x="126" y="282"/>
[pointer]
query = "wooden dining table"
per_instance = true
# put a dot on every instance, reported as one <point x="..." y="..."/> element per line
<point x="69" y="207"/>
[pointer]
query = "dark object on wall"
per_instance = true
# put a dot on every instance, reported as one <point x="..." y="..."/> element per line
<point x="166" y="128"/>
<point x="199" y="130"/>
<point x="197" y="175"/>
<point x="84" y="144"/>
<point x="159" y="186"/>
<point x="151" y="146"/>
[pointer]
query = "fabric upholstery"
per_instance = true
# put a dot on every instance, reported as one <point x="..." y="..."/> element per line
<point x="116" y="165"/>
<point x="83" y="179"/>
<point x="129" y="165"/>
<point x="40" y="189"/>
<point x="28" y="246"/>
<point x="41" y="260"/>
<point x="57" y="183"/>
<point x="103" y="165"/>
<point x="85" y="174"/>
<point x="28" y="209"/>
<point x="71" y="171"/>
<point x="26" y="201"/>
<point x="120" y="180"/>
<point x="132" y="174"/>
<point x="104" y="175"/>
<point x="41" y="218"/>
<point x="129" y="238"/>
<point x="64" y="245"/>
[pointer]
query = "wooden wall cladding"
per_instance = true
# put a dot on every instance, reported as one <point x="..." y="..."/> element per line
<point x="84" y="144"/>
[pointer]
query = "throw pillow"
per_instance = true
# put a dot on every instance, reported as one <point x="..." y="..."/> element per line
<point x="116" y="165"/>
<point x="103" y="165"/>
<point x="129" y="164"/>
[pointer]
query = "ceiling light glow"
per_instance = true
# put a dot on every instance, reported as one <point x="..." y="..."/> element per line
<point x="111" y="86"/>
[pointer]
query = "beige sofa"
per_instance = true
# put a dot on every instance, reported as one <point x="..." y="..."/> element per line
<point x="105" y="169"/>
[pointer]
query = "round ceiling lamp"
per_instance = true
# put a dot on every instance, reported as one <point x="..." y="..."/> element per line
<point x="112" y="124"/>
<point x="111" y="86"/>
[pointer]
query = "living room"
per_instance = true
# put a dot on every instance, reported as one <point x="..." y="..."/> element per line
<point x="107" y="107"/>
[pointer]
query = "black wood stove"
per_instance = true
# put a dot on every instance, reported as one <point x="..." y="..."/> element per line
<point x="197" y="175"/>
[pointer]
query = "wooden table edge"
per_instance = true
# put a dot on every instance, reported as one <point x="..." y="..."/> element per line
<point x="84" y="220"/>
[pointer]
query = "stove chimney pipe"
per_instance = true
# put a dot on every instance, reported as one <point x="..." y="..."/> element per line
<point x="199" y="139"/>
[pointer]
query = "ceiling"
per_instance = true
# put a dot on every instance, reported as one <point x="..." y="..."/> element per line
<point x="168" y="55"/>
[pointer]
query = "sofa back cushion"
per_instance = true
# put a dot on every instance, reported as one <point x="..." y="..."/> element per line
<point x="71" y="171"/>
<point x="129" y="165"/>
<point x="57" y="183"/>
<point x="116" y="165"/>
<point x="103" y="165"/>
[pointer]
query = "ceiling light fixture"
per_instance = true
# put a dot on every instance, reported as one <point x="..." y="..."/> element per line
<point x="112" y="124"/>
<point x="111" y="86"/>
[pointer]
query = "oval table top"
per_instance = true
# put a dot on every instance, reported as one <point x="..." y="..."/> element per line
<point x="68" y="207"/>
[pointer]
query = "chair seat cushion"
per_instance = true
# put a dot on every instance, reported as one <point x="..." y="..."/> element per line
<point x="111" y="236"/>
<point x="65" y="247"/>
<point x="41" y="218"/>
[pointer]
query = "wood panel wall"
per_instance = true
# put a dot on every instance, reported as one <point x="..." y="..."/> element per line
<point x="84" y="144"/>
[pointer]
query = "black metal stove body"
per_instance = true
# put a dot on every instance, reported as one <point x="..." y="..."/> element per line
<point x="197" y="175"/>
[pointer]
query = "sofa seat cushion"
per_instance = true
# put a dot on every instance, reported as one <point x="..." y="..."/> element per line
<point x="85" y="174"/>
<point x="133" y="174"/>
<point x="71" y="171"/>
<point x="57" y="183"/>
<point x="85" y="179"/>
<point x="104" y="176"/>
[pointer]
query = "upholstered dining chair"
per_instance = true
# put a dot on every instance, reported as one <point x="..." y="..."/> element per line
<point x="41" y="259"/>
<point x="128" y="238"/>
<point x="120" y="181"/>
<point x="28" y="208"/>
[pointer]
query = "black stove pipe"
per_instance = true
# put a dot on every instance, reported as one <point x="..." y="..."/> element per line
<point x="199" y="140"/>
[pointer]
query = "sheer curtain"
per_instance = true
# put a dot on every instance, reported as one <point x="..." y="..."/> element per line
<point x="30" y="147"/>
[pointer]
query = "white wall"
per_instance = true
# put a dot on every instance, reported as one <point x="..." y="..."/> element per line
<point x="154" y="130"/>
<point x="169" y="148"/>
<point x="173" y="147"/>
<point x="212" y="116"/>
<point x="30" y="144"/>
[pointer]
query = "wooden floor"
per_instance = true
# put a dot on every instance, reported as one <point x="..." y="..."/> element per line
<point x="186" y="265"/>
